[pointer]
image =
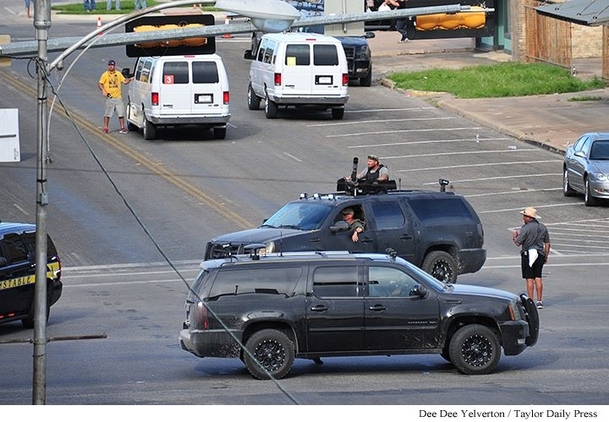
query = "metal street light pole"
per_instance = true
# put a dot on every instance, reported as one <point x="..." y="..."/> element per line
<point x="42" y="22"/>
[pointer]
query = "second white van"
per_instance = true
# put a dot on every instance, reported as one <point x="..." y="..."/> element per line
<point x="179" y="90"/>
<point x="298" y="69"/>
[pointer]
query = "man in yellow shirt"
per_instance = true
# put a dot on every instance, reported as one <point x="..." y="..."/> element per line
<point x="110" y="83"/>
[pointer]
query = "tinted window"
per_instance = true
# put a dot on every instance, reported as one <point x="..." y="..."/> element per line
<point x="389" y="282"/>
<point x="297" y="55"/>
<point x="429" y="209"/>
<point x="335" y="282"/>
<point x="138" y="70"/>
<point x="16" y="250"/>
<point x="146" y="76"/>
<point x="388" y="215"/>
<point x="600" y="150"/>
<point x="325" y="55"/>
<point x="268" y="280"/>
<point x="204" y="73"/>
<point x="175" y="73"/>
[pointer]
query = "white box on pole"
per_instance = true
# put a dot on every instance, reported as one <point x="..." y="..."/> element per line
<point x="9" y="135"/>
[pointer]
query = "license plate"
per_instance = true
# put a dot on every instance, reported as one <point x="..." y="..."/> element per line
<point x="324" y="80"/>
<point x="204" y="98"/>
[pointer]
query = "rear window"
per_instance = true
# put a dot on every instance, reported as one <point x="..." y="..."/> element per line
<point x="297" y="55"/>
<point x="277" y="281"/>
<point x="431" y="209"/>
<point x="325" y="55"/>
<point x="336" y="282"/>
<point x="388" y="215"/>
<point x="175" y="73"/>
<point x="205" y="73"/>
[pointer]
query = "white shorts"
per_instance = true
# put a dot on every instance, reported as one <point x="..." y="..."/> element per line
<point x="114" y="104"/>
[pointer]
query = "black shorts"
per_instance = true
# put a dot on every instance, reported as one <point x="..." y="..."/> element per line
<point x="535" y="270"/>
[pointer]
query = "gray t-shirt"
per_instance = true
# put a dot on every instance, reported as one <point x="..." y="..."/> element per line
<point x="533" y="235"/>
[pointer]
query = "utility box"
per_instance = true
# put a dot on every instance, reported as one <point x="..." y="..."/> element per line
<point x="340" y="7"/>
<point x="9" y="135"/>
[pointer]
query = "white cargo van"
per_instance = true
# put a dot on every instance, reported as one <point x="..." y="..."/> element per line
<point x="179" y="90"/>
<point x="298" y="69"/>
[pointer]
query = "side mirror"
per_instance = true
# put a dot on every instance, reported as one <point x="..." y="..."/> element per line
<point x="580" y="154"/>
<point x="3" y="261"/>
<point x="248" y="55"/>
<point x="126" y="72"/>
<point x="369" y="34"/>
<point x="339" y="226"/>
<point x="418" y="290"/>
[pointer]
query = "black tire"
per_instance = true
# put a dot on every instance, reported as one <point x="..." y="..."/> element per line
<point x="475" y="350"/>
<point x="132" y="127"/>
<point x="367" y="81"/>
<point x="253" y="101"/>
<point x="273" y="350"/>
<point x="270" y="108"/>
<point x="589" y="200"/>
<point x="441" y="265"/>
<point x="149" y="130"/>
<point x="220" y="132"/>
<point x="567" y="190"/>
<point x="338" y="113"/>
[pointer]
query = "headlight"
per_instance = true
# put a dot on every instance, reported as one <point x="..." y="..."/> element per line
<point x="362" y="53"/>
<point x="601" y="177"/>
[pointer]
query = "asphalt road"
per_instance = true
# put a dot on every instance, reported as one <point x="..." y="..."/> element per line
<point x="116" y="222"/>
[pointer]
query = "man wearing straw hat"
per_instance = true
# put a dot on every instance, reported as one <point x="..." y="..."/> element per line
<point x="534" y="240"/>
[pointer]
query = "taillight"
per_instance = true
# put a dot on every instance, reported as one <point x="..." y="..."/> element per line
<point x="345" y="79"/>
<point x="154" y="98"/>
<point x="225" y="97"/>
<point x="200" y="318"/>
<point x="277" y="79"/>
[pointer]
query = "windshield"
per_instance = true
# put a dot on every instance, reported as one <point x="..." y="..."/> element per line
<point x="300" y="215"/>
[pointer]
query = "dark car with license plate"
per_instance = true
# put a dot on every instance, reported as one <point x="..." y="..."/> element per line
<point x="18" y="273"/>
<point x="269" y="310"/>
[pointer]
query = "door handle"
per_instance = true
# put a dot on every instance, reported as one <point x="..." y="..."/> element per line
<point x="377" y="308"/>
<point x="319" y="308"/>
<point x="406" y="237"/>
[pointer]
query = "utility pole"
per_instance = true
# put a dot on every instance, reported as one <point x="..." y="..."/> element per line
<point x="42" y="22"/>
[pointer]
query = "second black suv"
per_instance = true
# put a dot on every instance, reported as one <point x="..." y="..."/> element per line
<point x="269" y="310"/>
<point x="437" y="231"/>
<point x="18" y="273"/>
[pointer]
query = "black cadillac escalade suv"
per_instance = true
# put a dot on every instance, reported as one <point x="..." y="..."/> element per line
<point x="269" y="310"/>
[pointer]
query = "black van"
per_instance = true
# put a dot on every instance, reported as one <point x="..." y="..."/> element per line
<point x="18" y="273"/>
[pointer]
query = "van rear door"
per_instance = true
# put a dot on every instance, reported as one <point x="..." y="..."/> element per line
<point x="190" y="87"/>
<point x="311" y="69"/>
<point x="207" y="90"/>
